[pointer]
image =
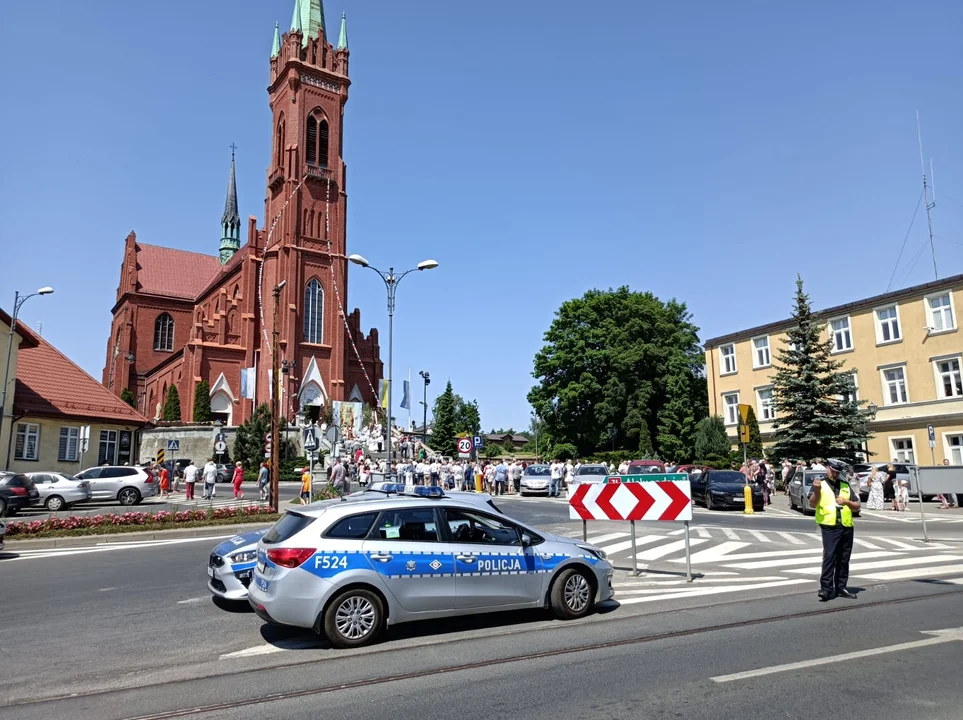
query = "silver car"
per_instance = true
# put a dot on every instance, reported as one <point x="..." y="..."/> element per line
<point x="59" y="491"/>
<point x="535" y="479"/>
<point x="126" y="484"/>
<point x="591" y="473"/>
<point x="348" y="569"/>
<point x="231" y="565"/>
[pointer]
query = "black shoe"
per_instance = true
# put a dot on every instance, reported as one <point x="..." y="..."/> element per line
<point x="824" y="596"/>
<point x="844" y="593"/>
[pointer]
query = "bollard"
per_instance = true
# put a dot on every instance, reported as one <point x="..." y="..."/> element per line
<point x="478" y="482"/>
<point x="747" y="496"/>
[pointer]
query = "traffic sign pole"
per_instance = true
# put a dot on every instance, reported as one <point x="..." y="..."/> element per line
<point x="635" y="552"/>
<point x="688" y="554"/>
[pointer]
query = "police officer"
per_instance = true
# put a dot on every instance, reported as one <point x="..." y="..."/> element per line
<point x="834" y="502"/>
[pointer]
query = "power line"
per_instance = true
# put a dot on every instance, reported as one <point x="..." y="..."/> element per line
<point x="905" y="277"/>
<point x="903" y="246"/>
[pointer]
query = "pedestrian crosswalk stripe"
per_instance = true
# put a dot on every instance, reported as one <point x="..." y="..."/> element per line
<point x="713" y="590"/>
<point x="865" y="544"/>
<point x="626" y="544"/>
<point x="915" y="573"/>
<point x="717" y="553"/>
<point x="759" y="564"/>
<point x="702" y="532"/>
<point x="759" y="536"/>
<point x="599" y="539"/>
<point x="793" y="540"/>
<point x="731" y="534"/>
<point x="656" y="584"/>
<point x="667" y="549"/>
<point x="904" y="562"/>
<point x="721" y="554"/>
<point x="896" y="543"/>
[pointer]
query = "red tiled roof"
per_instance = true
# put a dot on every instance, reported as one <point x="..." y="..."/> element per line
<point x="49" y="383"/>
<point x="27" y="337"/>
<point x="175" y="273"/>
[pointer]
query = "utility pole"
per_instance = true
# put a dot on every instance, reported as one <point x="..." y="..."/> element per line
<point x="927" y="190"/>
<point x="424" y="423"/>
<point x="275" y="401"/>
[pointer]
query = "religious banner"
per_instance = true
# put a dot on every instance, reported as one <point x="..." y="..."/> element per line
<point x="347" y="416"/>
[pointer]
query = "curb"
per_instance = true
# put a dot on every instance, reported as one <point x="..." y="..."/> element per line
<point x="87" y="540"/>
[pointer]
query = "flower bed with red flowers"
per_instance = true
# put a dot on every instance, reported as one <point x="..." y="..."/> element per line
<point x="138" y="521"/>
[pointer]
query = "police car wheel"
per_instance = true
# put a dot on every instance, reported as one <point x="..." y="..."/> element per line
<point x="571" y="595"/>
<point x="354" y="618"/>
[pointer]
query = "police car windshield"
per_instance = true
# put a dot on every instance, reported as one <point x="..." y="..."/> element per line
<point x="288" y="526"/>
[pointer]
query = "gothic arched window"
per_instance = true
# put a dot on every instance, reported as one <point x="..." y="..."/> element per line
<point x="164" y="333"/>
<point x="316" y="143"/>
<point x="314" y="312"/>
<point x="279" y="144"/>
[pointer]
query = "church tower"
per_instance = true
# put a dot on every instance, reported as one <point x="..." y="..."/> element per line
<point x="230" y="220"/>
<point x="304" y="241"/>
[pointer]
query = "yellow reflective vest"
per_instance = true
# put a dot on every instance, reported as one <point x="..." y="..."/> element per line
<point x="826" y="509"/>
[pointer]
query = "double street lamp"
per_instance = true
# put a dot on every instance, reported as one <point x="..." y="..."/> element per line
<point x="391" y="280"/>
<point x="18" y="302"/>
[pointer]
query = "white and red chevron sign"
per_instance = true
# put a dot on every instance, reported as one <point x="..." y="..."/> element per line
<point x="618" y="500"/>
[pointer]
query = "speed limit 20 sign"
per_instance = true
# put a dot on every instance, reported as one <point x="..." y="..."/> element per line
<point x="464" y="447"/>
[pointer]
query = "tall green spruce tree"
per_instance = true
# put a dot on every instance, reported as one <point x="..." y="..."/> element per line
<point x="128" y="397"/>
<point x="811" y="419"/>
<point x="172" y="408"/>
<point x="445" y="424"/>
<point x="754" y="446"/>
<point x="202" y="402"/>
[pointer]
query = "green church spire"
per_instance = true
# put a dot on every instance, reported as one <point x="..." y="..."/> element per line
<point x="296" y="25"/>
<point x="230" y="220"/>
<point x="308" y="18"/>
<point x="276" y="45"/>
<point x="343" y="35"/>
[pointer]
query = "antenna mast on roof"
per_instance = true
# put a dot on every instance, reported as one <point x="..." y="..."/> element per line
<point x="927" y="192"/>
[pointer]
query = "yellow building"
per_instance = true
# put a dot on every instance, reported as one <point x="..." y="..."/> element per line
<point x="904" y="350"/>
<point x="53" y="403"/>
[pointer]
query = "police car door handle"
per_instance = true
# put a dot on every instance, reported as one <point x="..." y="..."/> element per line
<point x="546" y="556"/>
<point x="466" y="558"/>
<point x="380" y="557"/>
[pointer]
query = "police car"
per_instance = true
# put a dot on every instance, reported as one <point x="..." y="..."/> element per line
<point x="231" y="565"/>
<point x="349" y="568"/>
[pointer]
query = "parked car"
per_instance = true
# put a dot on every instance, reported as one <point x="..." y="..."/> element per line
<point x="17" y="492"/>
<point x="225" y="473"/>
<point x="591" y="473"/>
<point x="535" y="479"/>
<point x="800" y="485"/>
<point x="126" y="484"/>
<point x="59" y="491"/>
<point x="718" y="489"/>
<point x="902" y="475"/>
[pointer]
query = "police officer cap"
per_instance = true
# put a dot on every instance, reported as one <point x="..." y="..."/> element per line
<point x="836" y="465"/>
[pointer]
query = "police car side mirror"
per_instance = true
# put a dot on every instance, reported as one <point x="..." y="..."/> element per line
<point x="526" y="540"/>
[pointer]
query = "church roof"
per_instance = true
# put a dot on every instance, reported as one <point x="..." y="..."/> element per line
<point x="175" y="273"/>
<point x="50" y="384"/>
<point x="230" y="203"/>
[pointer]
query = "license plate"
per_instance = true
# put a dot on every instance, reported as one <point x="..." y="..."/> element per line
<point x="738" y="498"/>
<point x="260" y="566"/>
<point x="261" y="583"/>
<point x="210" y="571"/>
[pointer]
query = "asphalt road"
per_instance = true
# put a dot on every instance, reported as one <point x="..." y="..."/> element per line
<point x="130" y="631"/>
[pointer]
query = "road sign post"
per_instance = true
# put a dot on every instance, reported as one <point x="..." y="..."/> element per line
<point x="932" y="435"/>
<point x="663" y="497"/>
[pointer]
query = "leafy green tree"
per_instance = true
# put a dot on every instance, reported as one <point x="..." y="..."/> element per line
<point x="444" y="428"/>
<point x="128" y="397"/>
<point x="172" y="407"/>
<point x="816" y="415"/>
<point x="711" y="439"/>
<point x="249" y="440"/>
<point x="645" y="442"/>
<point x="491" y="451"/>
<point x="754" y="446"/>
<point x="467" y="416"/>
<point x="616" y="358"/>
<point x="202" y="402"/>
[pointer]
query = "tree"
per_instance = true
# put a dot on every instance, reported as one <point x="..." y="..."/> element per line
<point x="754" y="446"/>
<point x="128" y="397"/>
<point x="249" y="440"/>
<point x="444" y="428"/>
<point x="645" y="442"/>
<point x="202" y="402"/>
<point x="467" y="416"/>
<point x="564" y="451"/>
<point x="711" y="439"/>
<point x="616" y="358"/>
<point x="172" y="408"/>
<point x="816" y="413"/>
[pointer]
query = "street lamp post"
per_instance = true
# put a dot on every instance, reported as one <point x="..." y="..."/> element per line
<point x="391" y="280"/>
<point x="275" y="402"/>
<point x="424" y="406"/>
<point x="871" y="414"/>
<point x="537" y="428"/>
<point x="18" y="302"/>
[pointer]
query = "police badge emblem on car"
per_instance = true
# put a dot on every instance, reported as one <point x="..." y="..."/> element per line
<point x="410" y="565"/>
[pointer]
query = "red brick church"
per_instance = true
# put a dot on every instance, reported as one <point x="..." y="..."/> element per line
<point x="182" y="317"/>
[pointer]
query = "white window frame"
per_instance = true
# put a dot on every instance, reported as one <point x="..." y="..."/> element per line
<point x="884" y="384"/>
<point x="898" y="454"/>
<point x="938" y="376"/>
<point x="109" y="441"/>
<point x="70" y="454"/>
<point x="761" y="404"/>
<point x="27" y="430"/>
<point x="727" y="407"/>
<point x="948" y="447"/>
<point x="848" y="331"/>
<point x="880" y="340"/>
<point x="756" y="364"/>
<point x="855" y="377"/>
<point x="931" y="328"/>
<point x="722" y="360"/>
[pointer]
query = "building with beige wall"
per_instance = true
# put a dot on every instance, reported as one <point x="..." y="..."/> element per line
<point x="904" y="350"/>
<point x="22" y="337"/>
<point x="53" y="401"/>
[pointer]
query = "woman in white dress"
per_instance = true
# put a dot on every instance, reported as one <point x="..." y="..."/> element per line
<point x="875" y="501"/>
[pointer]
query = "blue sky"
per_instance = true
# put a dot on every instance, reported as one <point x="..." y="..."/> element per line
<point x="702" y="150"/>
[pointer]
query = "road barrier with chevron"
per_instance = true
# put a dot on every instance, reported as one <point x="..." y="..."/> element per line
<point x="658" y="497"/>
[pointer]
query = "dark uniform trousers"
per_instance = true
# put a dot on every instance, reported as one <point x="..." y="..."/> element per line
<point x="837" y="547"/>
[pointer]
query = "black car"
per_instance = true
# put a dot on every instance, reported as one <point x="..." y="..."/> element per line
<point x="718" y="489"/>
<point x="17" y="491"/>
